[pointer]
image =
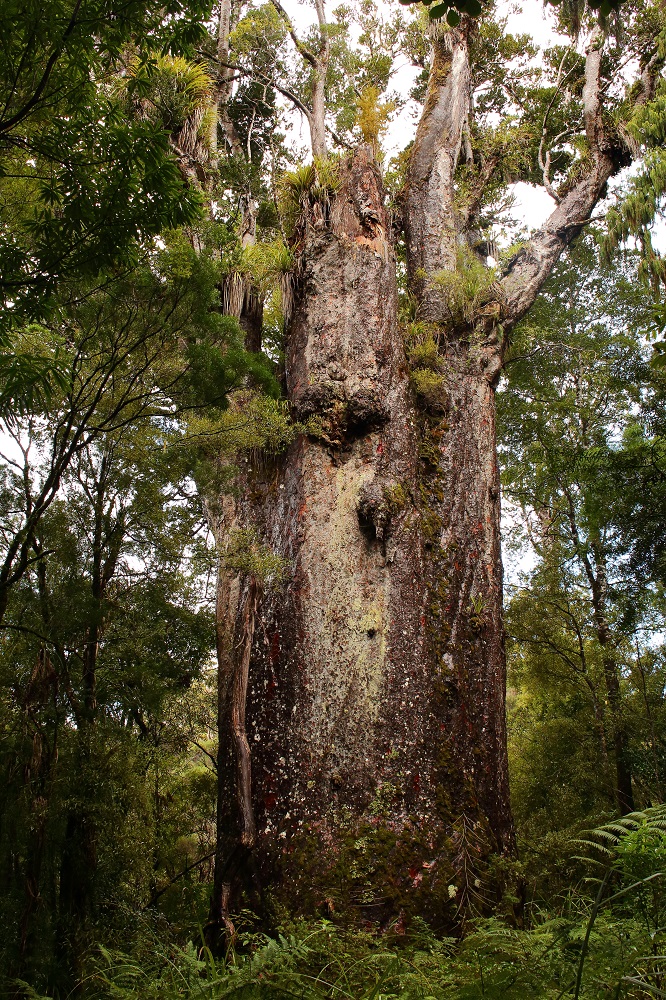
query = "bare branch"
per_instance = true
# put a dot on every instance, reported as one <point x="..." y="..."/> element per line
<point x="302" y="49"/>
<point x="261" y="78"/>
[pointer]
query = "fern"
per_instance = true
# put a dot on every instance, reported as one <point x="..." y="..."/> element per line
<point x="599" y="839"/>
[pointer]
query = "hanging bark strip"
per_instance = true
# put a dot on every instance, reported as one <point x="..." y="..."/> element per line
<point x="238" y="703"/>
<point x="236" y="845"/>
<point x="235" y="825"/>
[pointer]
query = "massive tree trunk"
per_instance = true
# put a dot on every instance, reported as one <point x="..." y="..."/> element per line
<point x="376" y="699"/>
<point x="375" y="703"/>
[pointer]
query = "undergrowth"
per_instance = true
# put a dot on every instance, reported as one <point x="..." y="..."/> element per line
<point x="603" y="939"/>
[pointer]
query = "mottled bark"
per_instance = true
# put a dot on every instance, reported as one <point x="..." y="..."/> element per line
<point x="431" y="221"/>
<point x="467" y="570"/>
<point x="462" y="486"/>
<point x="463" y="489"/>
<point x="359" y="717"/>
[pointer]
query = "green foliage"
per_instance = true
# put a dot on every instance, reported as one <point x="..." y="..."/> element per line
<point x="307" y="186"/>
<point x="586" y="682"/>
<point x="84" y="184"/>
<point x="245" y="554"/>
<point x="213" y="372"/>
<point x="425" y="354"/>
<point x="641" y="200"/>
<point x="467" y="287"/>
<point x="30" y="372"/>
<point x="104" y="636"/>
<point x="430" y="386"/>
<point x="175" y="96"/>
<point x="81" y="184"/>
<point x="572" y="13"/>
<point x="598" y="944"/>
<point x="373" y="116"/>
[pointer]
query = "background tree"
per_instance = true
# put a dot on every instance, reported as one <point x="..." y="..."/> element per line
<point x="584" y="625"/>
<point x="100" y="633"/>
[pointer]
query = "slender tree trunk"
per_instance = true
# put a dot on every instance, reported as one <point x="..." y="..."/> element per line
<point x="319" y="70"/>
<point x="596" y="574"/>
<point x="37" y="778"/>
<point x="623" y="789"/>
<point x="78" y="870"/>
<point x="251" y="316"/>
<point x="78" y="866"/>
<point x="223" y="89"/>
<point x="318" y="61"/>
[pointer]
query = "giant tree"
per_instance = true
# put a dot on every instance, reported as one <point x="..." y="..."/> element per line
<point x="366" y="696"/>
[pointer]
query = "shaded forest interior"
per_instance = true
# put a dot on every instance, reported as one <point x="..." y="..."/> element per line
<point x="274" y="720"/>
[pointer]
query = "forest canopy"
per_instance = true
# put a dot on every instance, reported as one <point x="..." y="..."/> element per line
<point x="270" y="720"/>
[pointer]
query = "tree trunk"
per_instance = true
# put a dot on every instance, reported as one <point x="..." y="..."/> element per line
<point x="624" y="795"/>
<point x="78" y="868"/>
<point x="376" y="694"/>
<point x="37" y="778"/>
<point x="235" y="614"/>
<point x="596" y="573"/>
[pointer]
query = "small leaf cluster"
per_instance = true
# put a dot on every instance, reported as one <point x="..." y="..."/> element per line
<point x="451" y="11"/>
